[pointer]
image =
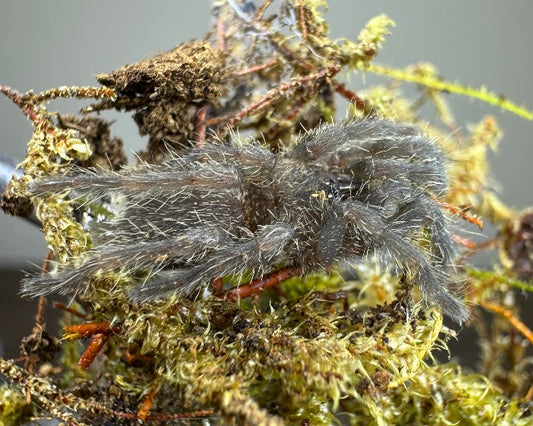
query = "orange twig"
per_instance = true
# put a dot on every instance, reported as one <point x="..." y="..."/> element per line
<point x="341" y="89"/>
<point x="464" y="242"/>
<point x="39" y="320"/>
<point x="220" y="36"/>
<point x="83" y="92"/>
<point x="301" y="9"/>
<point x="82" y="331"/>
<point x="509" y="316"/>
<point x="257" y="68"/>
<point x="257" y="286"/>
<point x="261" y="10"/>
<point x="136" y="359"/>
<point x="63" y="307"/>
<point x="148" y="402"/>
<point x="267" y="99"/>
<point x="99" y="333"/>
<point x="460" y="212"/>
<point x="217" y="286"/>
<point x="93" y="349"/>
<point x="42" y="301"/>
<point x="201" y="128"/>
<point x="21" y="100"/>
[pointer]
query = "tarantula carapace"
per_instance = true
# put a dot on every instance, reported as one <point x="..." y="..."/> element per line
<point x="342" y="192"/>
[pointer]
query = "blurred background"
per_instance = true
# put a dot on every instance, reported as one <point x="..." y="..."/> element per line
<point x="54" y="43"/>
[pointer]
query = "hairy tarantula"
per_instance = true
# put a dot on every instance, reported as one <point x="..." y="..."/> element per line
<point x="342" y="192"/>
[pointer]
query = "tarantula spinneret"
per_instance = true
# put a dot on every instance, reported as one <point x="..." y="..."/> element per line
<point x="342" y="192"/>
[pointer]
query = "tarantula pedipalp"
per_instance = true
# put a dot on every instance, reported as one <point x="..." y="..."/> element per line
<point x="343" y="192"/>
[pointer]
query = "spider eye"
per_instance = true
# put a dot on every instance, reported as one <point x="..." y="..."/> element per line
<point x="333" y="191"/>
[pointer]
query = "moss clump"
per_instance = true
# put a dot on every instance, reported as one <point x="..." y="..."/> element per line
<point x="167" y="91"/>
<point x="14" y="409"/>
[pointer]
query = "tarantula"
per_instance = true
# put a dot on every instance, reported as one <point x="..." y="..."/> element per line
<point x="342" y="192"/>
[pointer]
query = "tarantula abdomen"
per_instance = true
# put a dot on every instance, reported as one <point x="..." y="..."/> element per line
<point x="343" y="192"/>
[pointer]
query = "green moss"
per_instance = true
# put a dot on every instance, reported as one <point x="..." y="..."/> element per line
<point x="14" y="409"/>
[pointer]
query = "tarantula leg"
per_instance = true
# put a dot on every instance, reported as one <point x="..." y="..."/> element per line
<point x="164" y="178"/>
<point x="423" y="213"/>
<point x="257" y="286"/>
<point x="430" y="279"/>
<point x="235" y="156"/>
<point x="372" y="138"/>
<point x="254" y="255"/>
<point x="143" y="255"/>
<point x="331" y="236"/>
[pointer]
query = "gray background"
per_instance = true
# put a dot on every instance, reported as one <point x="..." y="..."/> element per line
<point x="49" y="43"/>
